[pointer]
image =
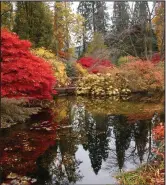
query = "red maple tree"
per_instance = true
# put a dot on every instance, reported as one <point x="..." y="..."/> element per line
<point x="23" y="74"/>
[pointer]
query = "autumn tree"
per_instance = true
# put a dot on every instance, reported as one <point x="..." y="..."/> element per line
<point x="23" y="74"/>
<point x="67" y="25"/>
<point x="33" y="21"/>
<point x="159" y="24"/>
<point x="120" y="18"/>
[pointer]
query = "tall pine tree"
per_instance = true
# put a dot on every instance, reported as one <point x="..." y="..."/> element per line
<point x="34" y="22"/>
<point x="96" y="19"/>
<point x="120" y="19"/>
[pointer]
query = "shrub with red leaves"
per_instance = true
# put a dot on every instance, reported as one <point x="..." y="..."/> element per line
<point x="23" y="74"/>
<point x="89" y="62"/>
<point x="156" y="58"/>
<point x="143" y="76"/>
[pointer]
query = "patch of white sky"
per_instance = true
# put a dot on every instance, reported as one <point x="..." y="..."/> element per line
<point x="110" y="5"/>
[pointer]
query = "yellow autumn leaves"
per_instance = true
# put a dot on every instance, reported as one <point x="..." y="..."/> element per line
<point x="58" y="66"/>
<point x="158" y="21"/>
<point x="101" y="85"/>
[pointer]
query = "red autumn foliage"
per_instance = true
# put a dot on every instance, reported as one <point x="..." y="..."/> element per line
<point x="89" y="62"/>
<point x="23" y="74"/>
<point x="156" y="58"/>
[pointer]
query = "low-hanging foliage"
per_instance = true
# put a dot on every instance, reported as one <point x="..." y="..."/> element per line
<point x="23" y="74"/>
<point x="58" y="66"/>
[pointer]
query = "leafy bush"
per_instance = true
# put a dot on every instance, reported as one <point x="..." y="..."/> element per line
<point x="93" y="65"/>
<point x="143" y="76"/>
<point x="136" y="76"/>
<point x="126" y="59"/>
<point x="58" y="67"/>
<point x="71" y="69"/>
<point x="23" y="74"/>
<point x="80" y="70"/>
<point x="102" y="85"/>
<point x="43" y="53"/>
<point x="156" y="58"/>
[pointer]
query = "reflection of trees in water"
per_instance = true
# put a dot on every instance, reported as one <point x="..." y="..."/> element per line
<point x="122" y="133"/>
<point x="59" y="164"/>
<point x="97" y="140"/>
<point x="130" y="141"/>
<point x="93" y="132"/>
<point x="140" y="134"/>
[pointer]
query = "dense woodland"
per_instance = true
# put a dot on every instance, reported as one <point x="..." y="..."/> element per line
<point x="47" y="46"/>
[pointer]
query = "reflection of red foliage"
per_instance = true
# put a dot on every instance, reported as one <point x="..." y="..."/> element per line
<point x="158" y="132"/>
<point x="23" y="74"/>
<point x="20" y="150"/>
<point x="158" y="135"/>
<point x="89" y="62"/>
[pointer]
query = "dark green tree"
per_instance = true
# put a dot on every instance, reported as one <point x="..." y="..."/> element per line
<point x="101" y="17"/>
<point x="97" y="136"/>
<point x="96" y="19"/>
<point x="145" y="41"/>
<point x="122" y="132"/>
<point x="141" y="137"/>
<point x="33" y="21"/>
<point x="120" y="19"/>
<point x="85" y="9"/>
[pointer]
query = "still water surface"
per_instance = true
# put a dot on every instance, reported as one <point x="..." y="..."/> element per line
<point x="82" y="141"/>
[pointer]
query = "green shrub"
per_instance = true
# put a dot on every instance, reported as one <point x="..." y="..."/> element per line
<point x="126" y="59"/>
<point x="71" y="70"/>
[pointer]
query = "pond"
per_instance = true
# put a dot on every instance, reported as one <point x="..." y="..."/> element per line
<point x="79" y="141"/>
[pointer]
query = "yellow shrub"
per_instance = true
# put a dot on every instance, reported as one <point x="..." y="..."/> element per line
<point x="43" y="53"/>
<point x="80" y="70"/>
<point x="102" y="85"/>
<point x="58" y="66"/>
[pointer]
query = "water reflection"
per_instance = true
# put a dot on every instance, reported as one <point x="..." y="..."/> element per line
<point x="90" y="144"/>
